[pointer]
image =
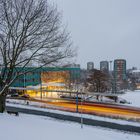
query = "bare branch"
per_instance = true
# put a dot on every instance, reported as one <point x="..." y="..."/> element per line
<point x="30" y="30"/>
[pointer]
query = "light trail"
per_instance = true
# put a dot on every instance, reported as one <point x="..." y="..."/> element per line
<point x="100" y="110"/>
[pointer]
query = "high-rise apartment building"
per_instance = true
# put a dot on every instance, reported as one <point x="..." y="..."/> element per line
<point x="120" y="69"/>
<point x="119" y="73"/>
<point x="104" y="66"/>
<point x="90" y="66"/>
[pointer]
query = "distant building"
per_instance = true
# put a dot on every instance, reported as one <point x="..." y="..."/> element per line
<point x="104" y="66"/>
<point x="120" y="69"/>
<point x="119" y="73"/>
<point x="90" y="66"/>
<point x="46" y="78"/>
<point x="136" y="73"/>
<point x="134" y="68"/>
<point x="83" y="75"/>
<point x="133" y="78"/>
<point x="72" y="65"/>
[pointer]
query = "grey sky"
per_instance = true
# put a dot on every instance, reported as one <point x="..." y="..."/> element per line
<point x="104" y="29"/>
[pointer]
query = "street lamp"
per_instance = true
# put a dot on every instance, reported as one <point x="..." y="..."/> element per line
<point x="40" y="86"/>
<point x="81" y="109"/>
<point x="111" y="78"/>
<point x="77" y="102"/>
<point x="24" y="80"/>
<point x="110" y="65"/>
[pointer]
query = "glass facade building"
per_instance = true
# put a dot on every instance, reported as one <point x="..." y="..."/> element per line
<point x="48" y="74"/>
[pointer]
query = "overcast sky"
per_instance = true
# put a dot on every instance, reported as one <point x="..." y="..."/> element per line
<point x="104" y="29"/>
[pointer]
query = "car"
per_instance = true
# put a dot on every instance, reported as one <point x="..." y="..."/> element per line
<point x="123" y="101"/>
<point x="26" y="96"/>
<point x="15" y="95"/>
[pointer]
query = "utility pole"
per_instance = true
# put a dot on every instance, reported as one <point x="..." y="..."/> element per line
<point x="81" y="109"/>
<point x="110" y="65"/>
<point x="40" y="86"/>
<point x="111" y="77"/>
<point x="77" y="102"/>
<point x="24" y="84"/>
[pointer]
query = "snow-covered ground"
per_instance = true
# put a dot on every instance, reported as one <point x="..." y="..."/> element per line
<point x="133" y="97"/>
<point x="42" y="107"/>
<point x="30" y="127"/>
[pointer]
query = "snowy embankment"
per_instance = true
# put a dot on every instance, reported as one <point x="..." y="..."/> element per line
<point x="42" y="107"/>
<point x="133" y="97"/>
<point x="30" y="127"/>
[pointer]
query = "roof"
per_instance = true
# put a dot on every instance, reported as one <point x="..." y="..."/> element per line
<point x="135" y="71"/>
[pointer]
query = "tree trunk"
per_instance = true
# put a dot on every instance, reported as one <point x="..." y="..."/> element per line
<point x="2" y="103"/>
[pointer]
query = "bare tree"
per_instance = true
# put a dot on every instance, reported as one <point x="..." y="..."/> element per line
<point x="30" y="31"/>
<point x="98" y="80"/>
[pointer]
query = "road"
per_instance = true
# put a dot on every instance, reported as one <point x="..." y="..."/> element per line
<point x="101" y="109"/>
<point x="95" y="108"/>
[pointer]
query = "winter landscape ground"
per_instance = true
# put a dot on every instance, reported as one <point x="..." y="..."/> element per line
<point x="31" y="127"/>
<point x="133" y="97"/>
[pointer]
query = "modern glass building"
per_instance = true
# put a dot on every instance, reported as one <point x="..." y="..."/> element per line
<point x="37" y="82"/>
<point x="48" y="74"/>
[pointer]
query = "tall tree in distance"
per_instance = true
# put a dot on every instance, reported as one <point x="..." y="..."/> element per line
<point x="98" y="81"/>
<point x="30" y="31"/>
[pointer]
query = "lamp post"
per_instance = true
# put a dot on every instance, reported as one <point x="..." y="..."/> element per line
<point x="40" y="86"/>
<point x="81" y="109"/>
<point x="110" y="65"/>
<point x="24" y="84"/>
<point x="77" y="101"/>
<point x="111" y="78"/>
